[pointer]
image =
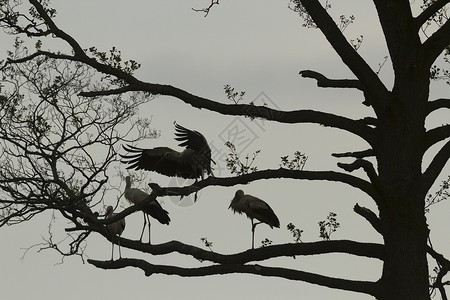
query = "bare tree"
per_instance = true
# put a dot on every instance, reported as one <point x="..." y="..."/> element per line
<point x="397" y="140"/>
<point x="58" y="149"/>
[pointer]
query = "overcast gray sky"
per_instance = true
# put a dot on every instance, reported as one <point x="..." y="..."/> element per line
<point x="256" y="46"/>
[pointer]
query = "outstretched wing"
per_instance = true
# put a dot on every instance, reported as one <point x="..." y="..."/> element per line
<point x="159" y="159"/>
<point x="194" y="140"/>
<point x="190" y="139"/>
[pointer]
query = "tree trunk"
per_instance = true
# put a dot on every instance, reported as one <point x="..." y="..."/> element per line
<point x="405" y="269"/>
<point x="399" y="153"/>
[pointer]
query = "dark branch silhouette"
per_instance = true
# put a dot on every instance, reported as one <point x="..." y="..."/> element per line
<point x="369" y="79"/>
<point x="428" y="12"/>
<point x="356" y="154"/>
<point x="396" y="138"/>
<point x="438" y="104"/>
<point x="323" y="81"/>
<point x="150" y="269"/>
<point x="206" y="10"/>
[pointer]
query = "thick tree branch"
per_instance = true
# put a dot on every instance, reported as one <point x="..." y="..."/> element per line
<point x="436" y="43"/>
<point x="299" y="116"/>
<point x="118" y="91"/>
<point x="368" y="78"/>
<point x="356" y="182"/>
<point x="369" y="250"/>
<point x="438" y="104"/>
<point x="323" y="81"/>
<point x="149" y="269"/>
<point x="55" y="30"/>
<point x="436" y="166"/>
<point x="356" y="154"/>
<point x="428" y="12"/>
<point x="290" y="117"/>
<point x="367" y="167"/>
<point x="436" y="135"/>
<point x="401" y="38"/>
<point x="370" y="216"/>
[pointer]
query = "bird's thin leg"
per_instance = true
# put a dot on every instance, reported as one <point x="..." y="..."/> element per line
<point x="253" y="234"/>
<point x="112" y="249"/>
<point x="118" y="242"/>
<point x="143" y="228"/>
<point x="149" y="231"/>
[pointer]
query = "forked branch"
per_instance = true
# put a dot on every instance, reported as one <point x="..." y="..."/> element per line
<point x="372" y="85"/>
<point x="206" y="10"/>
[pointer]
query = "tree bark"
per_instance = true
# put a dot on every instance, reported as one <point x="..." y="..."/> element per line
<point x="399" y="153"/>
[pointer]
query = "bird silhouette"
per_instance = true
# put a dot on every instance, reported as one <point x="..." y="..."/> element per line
<point x="115" y="229"/>
<point x="254" y="208"/>
<point x="191" y="163"/>
<point x="154" y="209"/>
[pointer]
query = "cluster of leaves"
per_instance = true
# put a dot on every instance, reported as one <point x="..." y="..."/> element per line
<point x="266" y="242"/>
<point x="328" y="226"/>
<point x="345" y="21"/>
<point x="297" y="6"/>
<point x="232" y="95"/>
<point x="14" y="22"/>
<point x="234" y="163"/>
<point x="436" y="21"/>
<point x="437" y="73"/>
<point x="356" y="43"/>
<point x="297" y="163"/>
<point x="296" y="233"/>
<point x="440" y="195"/>
<point x="114" y="60"/>
<point x="207" y="243"/>
<point x="51" y="12"/>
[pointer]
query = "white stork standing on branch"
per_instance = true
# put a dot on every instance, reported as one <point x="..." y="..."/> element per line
<point x="115" y="228"/>
<point x="192" y="163"/>
<point x="153" y="208"/>
<point x="254" y="208"/>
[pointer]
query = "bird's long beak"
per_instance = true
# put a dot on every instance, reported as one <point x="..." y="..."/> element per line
<point x="231" y="203"/>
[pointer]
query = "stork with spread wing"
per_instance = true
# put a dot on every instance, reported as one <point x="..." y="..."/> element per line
<point x="193" y="162"/>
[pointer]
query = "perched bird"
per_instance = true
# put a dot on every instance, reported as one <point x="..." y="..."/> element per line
<point x="192" y="163"/>
<point x="254" y="208"/>
<point x="115" y="228"/>
<point x="153" y="208"/>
